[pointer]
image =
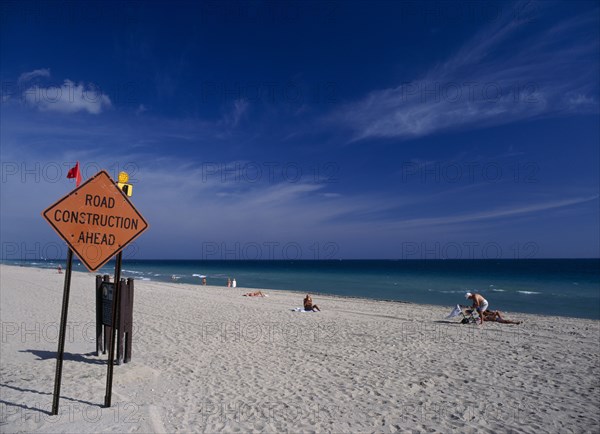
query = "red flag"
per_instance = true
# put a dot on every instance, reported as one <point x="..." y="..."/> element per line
<point x="75" y="173"/>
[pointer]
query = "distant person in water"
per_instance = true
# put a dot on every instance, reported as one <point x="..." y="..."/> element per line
<point x="479" y="303"/>
<point x="308" y="304"/>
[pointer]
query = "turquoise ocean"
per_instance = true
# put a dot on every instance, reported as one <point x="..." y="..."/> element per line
<point x="563" y="287"/>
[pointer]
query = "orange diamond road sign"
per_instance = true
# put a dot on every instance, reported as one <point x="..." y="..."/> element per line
<point x="97" y="220"/>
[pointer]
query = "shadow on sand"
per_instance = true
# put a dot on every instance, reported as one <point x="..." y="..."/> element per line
<point x="47" y="355"/>
<point x="38" y="408"/>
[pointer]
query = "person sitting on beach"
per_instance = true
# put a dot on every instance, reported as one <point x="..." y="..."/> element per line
<point x="308" y="304"/>
<point x="479" y="303"/>
<point x="255" y="294"/>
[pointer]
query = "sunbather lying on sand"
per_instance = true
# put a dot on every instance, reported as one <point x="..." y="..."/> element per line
<point x="495" y="315"/>
<point x="255" y="294"/>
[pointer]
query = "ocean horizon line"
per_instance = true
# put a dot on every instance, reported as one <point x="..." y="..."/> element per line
<point x="553" y="286"/>
<point x="316" y="260"/>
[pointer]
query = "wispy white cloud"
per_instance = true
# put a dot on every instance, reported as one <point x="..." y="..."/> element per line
<point x="240" y="107"/>
<point x="67" y="98"/>
<point x="234" y="114"/>
<point x="28" y="76"/>
<point x="506" y="212"/>
<point x="507" y="72"/>
<point x="141" y="109"/>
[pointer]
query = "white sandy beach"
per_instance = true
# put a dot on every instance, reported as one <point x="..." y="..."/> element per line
<point x="207" y="359"/>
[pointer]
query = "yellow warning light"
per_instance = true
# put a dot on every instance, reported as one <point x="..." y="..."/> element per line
<point x="122" y="184"/>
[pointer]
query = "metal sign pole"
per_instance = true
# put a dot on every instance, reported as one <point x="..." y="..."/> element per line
<point x="115" y="307"/>
<point x="63" y="330"/>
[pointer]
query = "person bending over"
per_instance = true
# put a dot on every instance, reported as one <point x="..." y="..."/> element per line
<point x="479" y="303"/>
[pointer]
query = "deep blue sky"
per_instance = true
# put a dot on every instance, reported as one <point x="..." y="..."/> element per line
<point x="269" y="130"/>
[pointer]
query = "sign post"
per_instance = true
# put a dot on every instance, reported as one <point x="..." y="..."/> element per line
<point x="63" y="331"/>
<point x="113" y="330"/>
<point x="97" y="221"/>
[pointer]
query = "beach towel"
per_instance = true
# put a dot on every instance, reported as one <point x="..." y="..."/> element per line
<point x="455" y="312"/>
<point x="301" y="309"/>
